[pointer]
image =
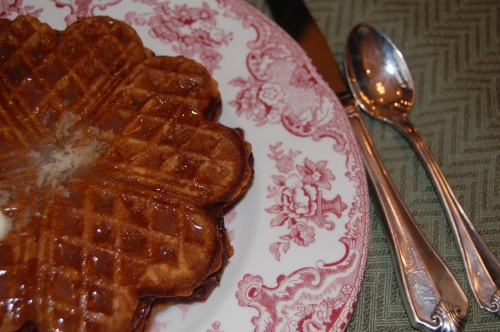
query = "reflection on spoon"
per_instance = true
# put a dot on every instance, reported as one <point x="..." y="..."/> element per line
<point x="382" y="84"/>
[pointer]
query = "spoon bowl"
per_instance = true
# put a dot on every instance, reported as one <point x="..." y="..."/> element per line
<point x="382" y="85"/>
<point x="378" y="74"/>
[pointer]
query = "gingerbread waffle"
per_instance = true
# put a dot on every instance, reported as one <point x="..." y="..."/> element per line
<point x="113" y="176"/>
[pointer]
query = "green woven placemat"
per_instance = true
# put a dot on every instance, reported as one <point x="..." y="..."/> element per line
<point x="453" y="50"/>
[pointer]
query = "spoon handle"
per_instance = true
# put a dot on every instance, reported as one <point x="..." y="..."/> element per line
<point x="483" y="269"/>
<point x="432" y="297"/>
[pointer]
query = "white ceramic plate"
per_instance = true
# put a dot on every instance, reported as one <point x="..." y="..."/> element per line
<point x="300" y="235"/>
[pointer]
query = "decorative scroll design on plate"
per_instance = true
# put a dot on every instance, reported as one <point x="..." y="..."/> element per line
<point x="310" y="299"/>
<point x="83" y="8"/>
<point x="283" y="88"/>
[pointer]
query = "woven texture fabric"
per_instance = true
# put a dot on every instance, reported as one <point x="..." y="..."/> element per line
<point x="453" y="50"/>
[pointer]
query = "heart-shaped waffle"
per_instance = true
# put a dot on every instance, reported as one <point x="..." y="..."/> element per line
<point x="113" y="176"/>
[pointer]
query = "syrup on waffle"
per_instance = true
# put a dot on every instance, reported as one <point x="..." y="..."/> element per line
<point x="113" y="176"/>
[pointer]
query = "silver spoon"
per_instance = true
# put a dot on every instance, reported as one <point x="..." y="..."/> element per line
<point x="382" y="84"/>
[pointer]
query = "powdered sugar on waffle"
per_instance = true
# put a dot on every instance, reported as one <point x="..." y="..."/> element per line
<point x="69" y="152"/>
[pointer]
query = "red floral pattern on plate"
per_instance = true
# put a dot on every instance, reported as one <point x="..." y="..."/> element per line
<point x="258" y="101"/>
<point x="190" y="30"/>
<point x="299" y="202"/>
